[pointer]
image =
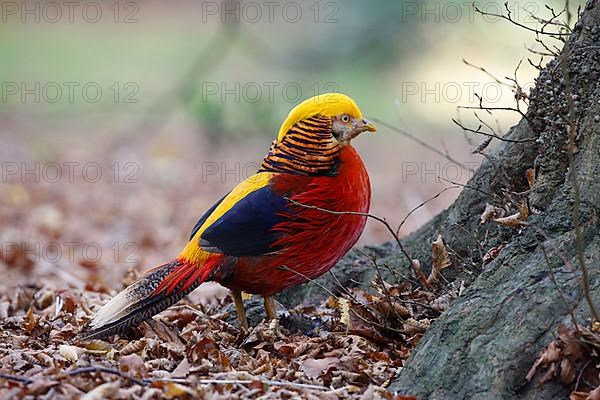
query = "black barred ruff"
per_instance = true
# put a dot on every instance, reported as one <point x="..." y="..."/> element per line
<point x="308" y="148"/>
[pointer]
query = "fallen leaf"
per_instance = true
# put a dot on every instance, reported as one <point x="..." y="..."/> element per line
<point x="549" y="355"/>
<point x="573" y="347"/>
<point x="440" y="261"/>
<point x="390" y="308"/>
<point x="442" y="303"/>
<point x="595" y="394"/>
<point x="416" y="264"/>
<point x="133" y="347"/>
<point x="97" y="347"/>
<point x="567" y="371"/>
<point x="412" y="326"/>
<point x="30" y="321"/>
<point x="41" y="386"/>
<point x="182" y="370"/>
<point x="492" y="253"/>
<point x="344" y="307"/>
<point x="132" y="364"/>
<point x="491" y="212"/>
<point x="174" y="390"/>
<point x="516" y="220"/>
<point x="105" y="391"/>
<point x="43" y="298"/>
<point x="530" y="174"/>
<point x="579" y="396"/>
<point x="314" y="368"/>
<point x="70" y="353"/>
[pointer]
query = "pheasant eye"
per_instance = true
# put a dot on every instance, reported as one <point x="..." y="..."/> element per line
<point x="345" y="118"/>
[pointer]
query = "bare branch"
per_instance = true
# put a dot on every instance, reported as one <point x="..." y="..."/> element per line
<point x="422" y="143"/>
<point x="367" y="215"/>
<point x="286" y="268"/>
<point x="16" y="378"/>
<point x="509" y="18"/>
<point x="438" y="194"/>
<point x="491" y="135"/>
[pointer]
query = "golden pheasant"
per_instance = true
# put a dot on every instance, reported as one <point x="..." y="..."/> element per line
<point x="279" y="228"/>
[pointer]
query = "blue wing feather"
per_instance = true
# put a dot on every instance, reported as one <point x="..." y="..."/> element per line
<point x="246" y="229"/>
<point x="205" y="216"/>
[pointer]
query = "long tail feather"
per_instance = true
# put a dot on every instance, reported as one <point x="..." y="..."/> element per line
<point x="158" y="289"/>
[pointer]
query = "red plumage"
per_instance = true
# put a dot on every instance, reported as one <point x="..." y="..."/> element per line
<point x="316" y="240"/>
<point x="186" y="275"/>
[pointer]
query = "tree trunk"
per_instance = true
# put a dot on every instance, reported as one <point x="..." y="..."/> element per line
<point x="483" y="346"/>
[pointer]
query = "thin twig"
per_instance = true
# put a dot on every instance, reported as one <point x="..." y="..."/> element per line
<point x="422" y="143"/>
<point x="485" y="71"/>
<point x="416" y="303"/>
<point x="286" y="268"/>
<point x="241" y="382"/>
<point x="146" y="382"/>
<point x="580" y="375"/>
<point x="559" y="253"/>
<point x="438" y="194"/>
<point x="520" y="25"/>
<point x="386" y="292"/>
<point x="467" y="186"/>
<point x="342" y="287"/>
<point x="361" y="214"/>
<point x="490" y="109"/>
<point x="16" y="378"/>
<point x="400" y="275"/>
<point x="478" y="131"/>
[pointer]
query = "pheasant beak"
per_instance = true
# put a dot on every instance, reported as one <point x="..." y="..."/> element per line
<point x="360" y="126"/>
<point x="368" y="125"/>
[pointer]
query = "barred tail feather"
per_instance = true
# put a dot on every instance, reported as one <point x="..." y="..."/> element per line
<point x="158" y="289"/>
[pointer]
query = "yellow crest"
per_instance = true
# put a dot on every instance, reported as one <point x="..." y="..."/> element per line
<point x="327" y="105"/>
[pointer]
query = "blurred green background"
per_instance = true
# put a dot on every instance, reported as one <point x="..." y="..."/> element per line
<point x="175" y="86"/>
<point x="178" y="54"/>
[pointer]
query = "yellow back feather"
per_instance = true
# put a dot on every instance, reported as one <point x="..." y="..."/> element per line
<point x="327" y="105"/>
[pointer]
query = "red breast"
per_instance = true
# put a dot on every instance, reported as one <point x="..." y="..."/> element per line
<point x="313" y="240"/>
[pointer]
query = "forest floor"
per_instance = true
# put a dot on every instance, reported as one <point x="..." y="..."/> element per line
<point x="71" y="242"/>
